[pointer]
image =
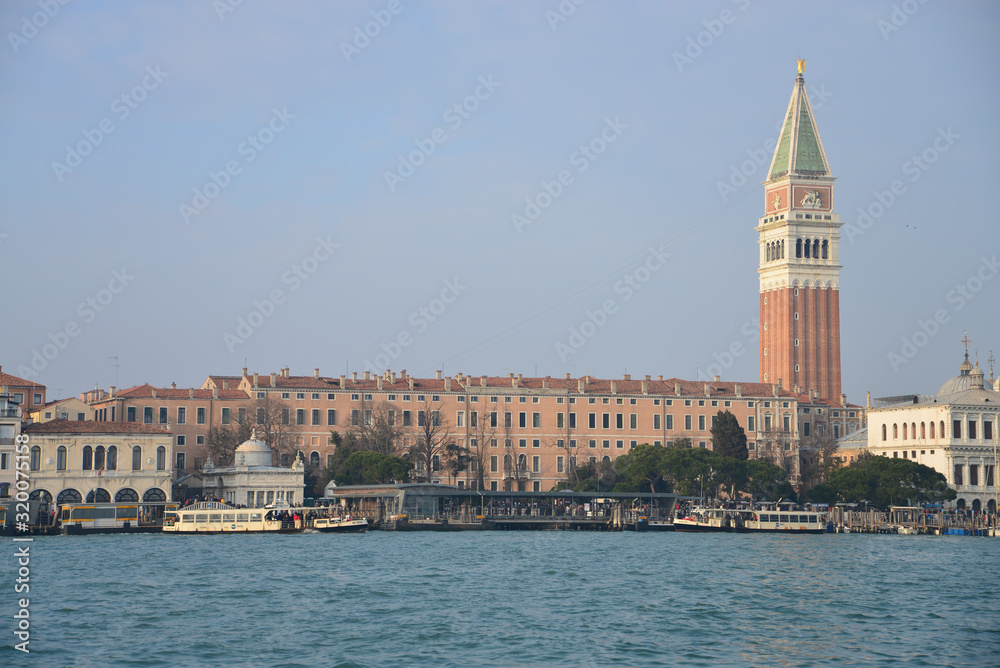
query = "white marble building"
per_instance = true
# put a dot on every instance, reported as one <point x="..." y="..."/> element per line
<point x="252" y="480"/>
<point x="953" y="432"/>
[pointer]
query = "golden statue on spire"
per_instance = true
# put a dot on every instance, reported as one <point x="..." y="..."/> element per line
<point x="802" y="65"/>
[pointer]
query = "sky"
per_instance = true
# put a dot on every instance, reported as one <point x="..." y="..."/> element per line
<point x="530" y="187"/>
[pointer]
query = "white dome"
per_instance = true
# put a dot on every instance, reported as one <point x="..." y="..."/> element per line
<point x="253" y="452"/>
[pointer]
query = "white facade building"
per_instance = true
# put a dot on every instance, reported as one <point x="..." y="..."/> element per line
<point x="953" y="432"/>
<point x="252" y="480"/>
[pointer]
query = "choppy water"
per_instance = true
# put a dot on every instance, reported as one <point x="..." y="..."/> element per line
<point x="509" y="599"/>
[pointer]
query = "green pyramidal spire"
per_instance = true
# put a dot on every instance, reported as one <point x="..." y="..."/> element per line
<point x="800" y="150"/>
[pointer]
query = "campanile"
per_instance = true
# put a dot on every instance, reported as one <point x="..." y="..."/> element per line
<point x="799" y="238"/>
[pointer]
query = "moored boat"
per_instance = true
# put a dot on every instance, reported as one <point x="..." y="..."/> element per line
<point x="703" y="520"/>
<point x="212" y="517"/>
<point x="340" y="524"/>
<point x="792" y="521"/>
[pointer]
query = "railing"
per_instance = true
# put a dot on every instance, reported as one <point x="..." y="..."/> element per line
<point x="10" y="412"/>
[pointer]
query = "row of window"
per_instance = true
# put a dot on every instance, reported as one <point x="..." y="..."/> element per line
<point x="974" y="474"/>
<point x="100" y="495"/>
<point x="909" y="431"/>
<point x="98" y="459"/>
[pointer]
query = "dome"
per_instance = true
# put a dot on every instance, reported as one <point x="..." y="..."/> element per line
<point x="963" y="381"/>
<point x="253" y="452"/>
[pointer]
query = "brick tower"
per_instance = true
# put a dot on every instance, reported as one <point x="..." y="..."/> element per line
<point x="799" y="271"/>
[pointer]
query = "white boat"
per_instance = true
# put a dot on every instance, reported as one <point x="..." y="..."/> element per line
<point x="340" y="524"/>
<point x="906" y="531"/>
<point x="703" y="520"/>
<point x="791" y="521"/>
<point x="212" y="517"/>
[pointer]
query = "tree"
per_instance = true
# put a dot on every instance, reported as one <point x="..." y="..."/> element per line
<point x="515" y="469"/>
<point x="371" y="468"/>
<point x="223" y="440"/>
<point x="766" y="481"/>
<point x="888" y="481"/>
<point x="642" y="469"/>
<point x="457" y="460"/>
<point x="432" y="436"/>
<point x="481" y="432"/>
<point x="728" y="437"/>
<point x="272" y="419"/>
<point x="376" y="428"/>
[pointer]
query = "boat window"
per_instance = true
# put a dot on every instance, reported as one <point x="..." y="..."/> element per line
<point x="230" y="517"/>
<point x="241" y="517"/>
<point x="201" y="518"/>
<point x="215" y="517"/>
<point x="255" y="517"/>
<point x="185" y="517"/>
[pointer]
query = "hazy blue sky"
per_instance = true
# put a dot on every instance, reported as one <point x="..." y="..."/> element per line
<point x="172" y="168"/>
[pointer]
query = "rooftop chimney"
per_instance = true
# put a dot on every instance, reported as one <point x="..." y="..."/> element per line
<point x="774" y="388"/>
<point x="717" y="378"/>
<point x="739" y="390"/>
<point x="482" y="381"/>
<point x="677" y="389"/>
<point x="316" y="372"/>
<point x="379" y="382"/>
<point x="112" y="390"/>
<point x="244" y="371"/>
<point x="343" y="381"/>
<point x="190" y="393"/>
<point x="843" y="400"/>
<point x="614" y="387"/>
<point x="354" y="376"/>
<point x="438" y="374"/>
<point x="645" y="385"/>
<point x="626" y="376"/>
<point x="154" y="392"/>
<point x="660" y="378"/>
<point x="567" y="375"/>
<point x="447" y="384"/>
<point x="581" y="385"/>
<point x="408" y="378"/>
<point x="274" y="380"/>
<point x="708" y="390"/>
<point x="545" y="383"/>
<point x="173" y="386"/>
<point x="215" y="393"/>
<point x="225" y="384"/>
<point x="255" y="375"/>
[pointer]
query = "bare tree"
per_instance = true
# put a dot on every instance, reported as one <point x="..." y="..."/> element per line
<point x="482" y="432"/>
<point x="223" y="440"/>
<point x="376" y="427"/>
<point x="515" y="465"/>
<point x="778" y="448"/>
<point x="273" y="421"/>
<point x="566" y="443"/>
<point x="432" y="435"/>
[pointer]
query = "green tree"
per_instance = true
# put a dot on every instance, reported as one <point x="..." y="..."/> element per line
<point x="728" y="437"/>
<point x="888" y="481"/>
<point x="766" y="481"/>
<point x="369" y="468"/>
<point x="641" y="469"/>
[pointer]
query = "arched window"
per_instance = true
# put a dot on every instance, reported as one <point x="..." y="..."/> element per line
<point x="61" y="458"/>
<point x="154" y="494"/>
<point x="913" y="430"/>
<point x="883" y="432"/>
<point x="40" y="495"/>
<point x="99" y="495"/>
<point x="781" y="249"/>
<point x="314" y="458"/>
<point x="808" y="246"/>
<point x="112" y="458"/>
<point x="36" y="458"/>
<point x="99" y="457"/>
<point x="507" y="464"/>
<point x="161" y="458"/>
<point x="836" y="431"/>
<point x="69" y="496"/>
<point x="606" y="459"/>
<point x="798" y="248"/>
<point x="522" y="463"/>
<point x="826" y="249"/>
<point x="816" y="248"/>
<point x="904" y="431"/>
<point x="126" y="494"/>
<point x="941" y="429"/>
<point x="895" y="431"/>
<point x="932" y="430"/>
<point x="137" y="458"/>
<point x="923" y="430"/>
<point x="88" y="458"/>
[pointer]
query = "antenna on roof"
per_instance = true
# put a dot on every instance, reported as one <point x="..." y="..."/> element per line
<point x="115" y="365"/>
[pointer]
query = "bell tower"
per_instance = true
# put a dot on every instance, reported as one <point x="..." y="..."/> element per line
<point x="799" y="239"/>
